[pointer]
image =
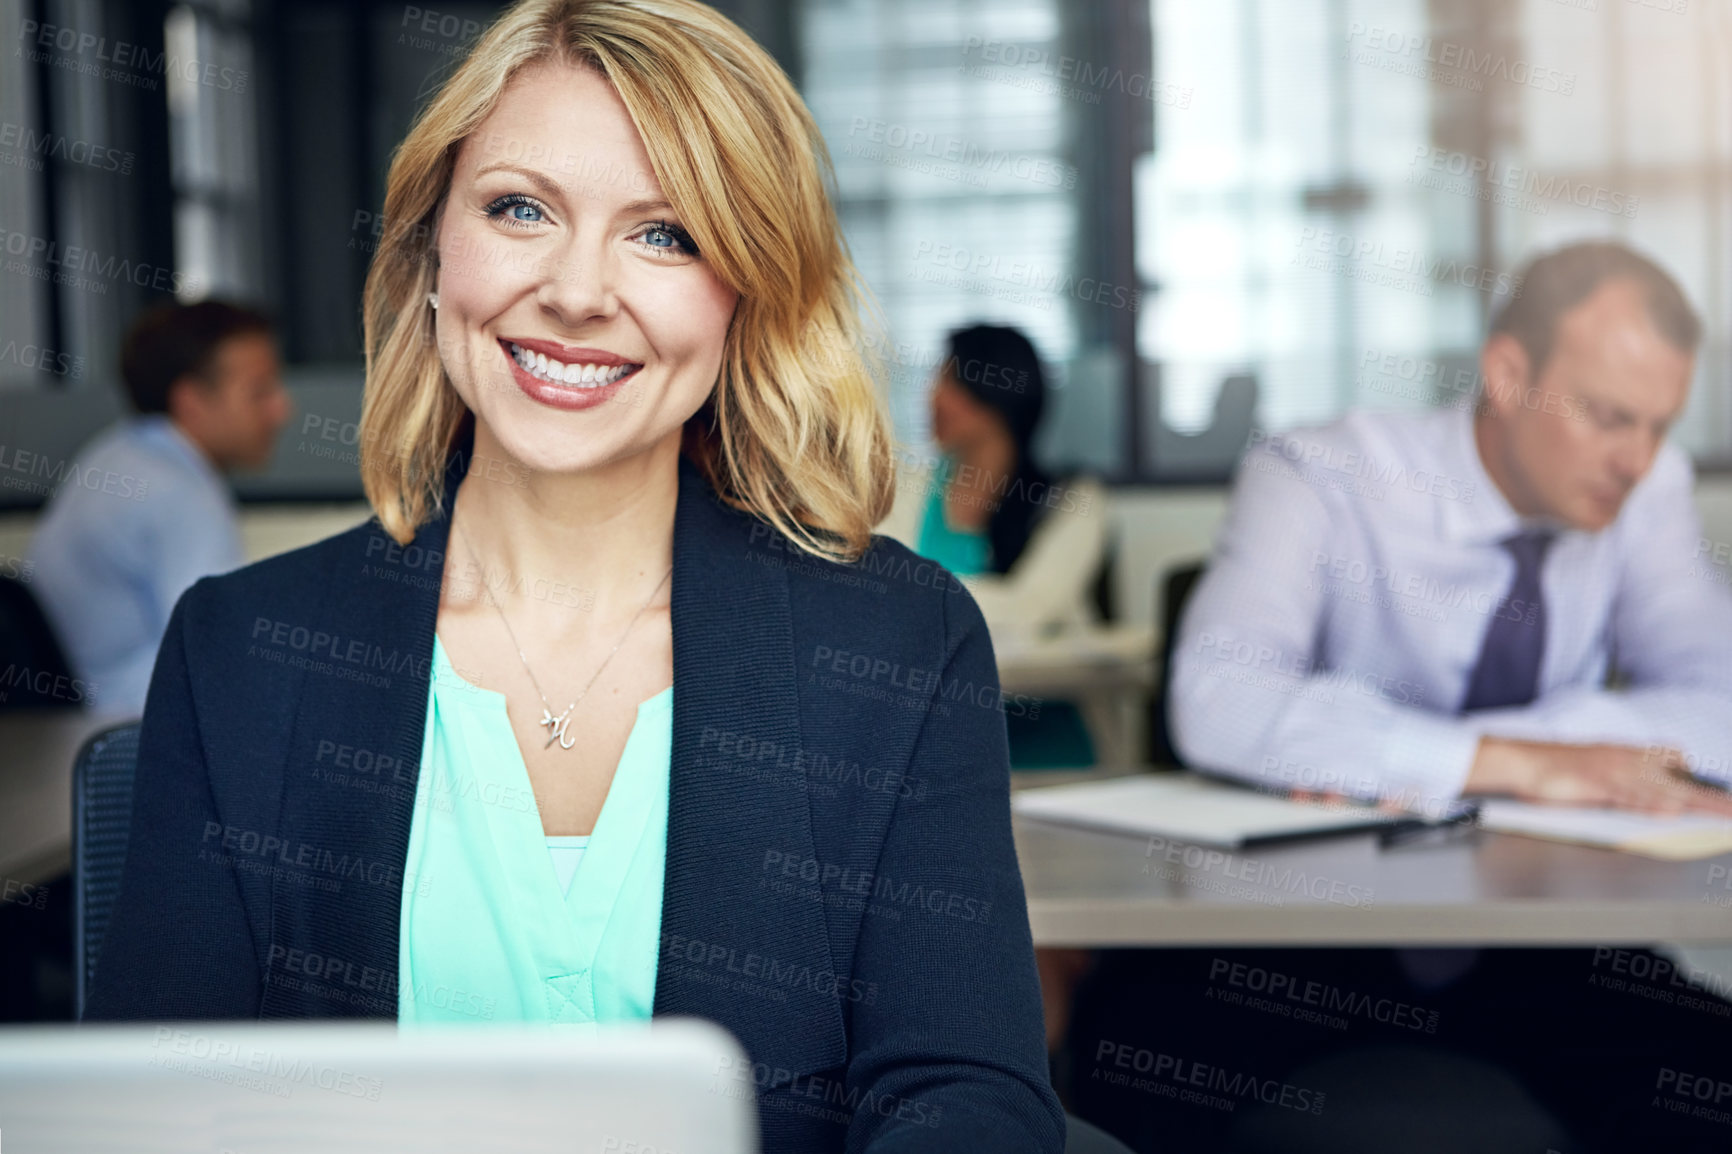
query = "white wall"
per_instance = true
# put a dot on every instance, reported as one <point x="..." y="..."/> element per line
<point x="1156" y="529"/>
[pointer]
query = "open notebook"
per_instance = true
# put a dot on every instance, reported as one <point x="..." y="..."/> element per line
<point x="1189" y="808"/>
<point x="1684" y="837"/>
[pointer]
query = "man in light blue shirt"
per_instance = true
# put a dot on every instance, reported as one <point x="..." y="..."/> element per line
<point x="112" y="559"/>
<point x="1414" y="606"/>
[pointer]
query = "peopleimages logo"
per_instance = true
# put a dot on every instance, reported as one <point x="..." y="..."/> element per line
<point x="44" y="39"/>
<point x="74" y="259"/>
<point x="35" y="472"/>
<point x="994" y="275"/>
<point x="1337" y="569"/>
<point x="1322" y="996"/>
<point x="1216" y="1087"/>
<point x="1081" y="74"/>
<point x="173" y="1047"/>
<point x="1261" y="878"/>
<point x="1323" y="248"/>
<point x="42" y="359"/>
<point x="57" y="147"/>
<point x="1502" y="177"/>
<point x="1294" y="450"/>
<point x="955" y="150"/>
<point x="1460" y="65"/>
<point x="45" y="683"/>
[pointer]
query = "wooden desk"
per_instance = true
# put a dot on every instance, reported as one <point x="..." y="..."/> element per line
<point x="1109" y="672"/>
<point x="1094" y="889"/>
<point x="36" y="752"/>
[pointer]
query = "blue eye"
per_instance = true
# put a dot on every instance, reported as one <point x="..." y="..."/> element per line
<point x="509" y="206"/>
<point x="669" y="238"/>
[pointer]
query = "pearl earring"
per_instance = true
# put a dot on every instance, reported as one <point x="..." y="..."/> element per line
<point x="433" y="299"/>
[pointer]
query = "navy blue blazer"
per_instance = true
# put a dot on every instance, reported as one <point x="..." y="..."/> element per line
<point x="841" y="892"/>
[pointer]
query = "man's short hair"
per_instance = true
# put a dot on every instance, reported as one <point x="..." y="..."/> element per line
<point x="173" y="340"/>
<point x="1558" y="281"/>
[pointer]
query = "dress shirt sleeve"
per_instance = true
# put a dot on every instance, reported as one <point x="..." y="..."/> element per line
<point x="1670" y="624"/>
<point x="193" y="534"/>
<point x="177" y="945"/>
<point x="953" y="1050"/>
<point x="1251" y="696"/>
<point x="1057" y="567"/>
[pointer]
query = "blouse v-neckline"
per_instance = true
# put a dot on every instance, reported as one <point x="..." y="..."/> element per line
<point x="486" y="837"/>
<point x="455" y="680"/>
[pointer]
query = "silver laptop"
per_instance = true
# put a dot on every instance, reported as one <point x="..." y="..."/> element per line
<point x="673" y="1086"/>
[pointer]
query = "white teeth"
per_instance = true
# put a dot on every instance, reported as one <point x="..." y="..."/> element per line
<point x="583" y="376"/>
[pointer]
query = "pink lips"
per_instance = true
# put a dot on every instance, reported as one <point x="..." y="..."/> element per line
<point x="568" y="354"/>
<point x="566" y="397"/>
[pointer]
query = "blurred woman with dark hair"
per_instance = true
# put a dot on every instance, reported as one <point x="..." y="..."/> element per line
<point x="1028" y="548"/>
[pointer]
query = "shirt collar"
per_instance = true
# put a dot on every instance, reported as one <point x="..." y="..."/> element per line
<point x="159" y="429"/>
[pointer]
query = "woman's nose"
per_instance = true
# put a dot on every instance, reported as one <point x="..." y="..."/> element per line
<point x="580" y="284"/>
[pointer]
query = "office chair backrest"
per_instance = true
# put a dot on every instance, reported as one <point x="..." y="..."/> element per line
<point x="37" y="672"/>
<point x="1175" y="591"/>
<point x="1102" y="593"/>
<point x="101" y="823"/>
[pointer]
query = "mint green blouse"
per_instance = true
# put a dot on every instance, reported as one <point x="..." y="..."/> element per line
<point x="963" y="552"/>
<point x="488" y="932"/>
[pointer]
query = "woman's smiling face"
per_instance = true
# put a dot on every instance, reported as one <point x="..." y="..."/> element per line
<point x="576" y="319"/>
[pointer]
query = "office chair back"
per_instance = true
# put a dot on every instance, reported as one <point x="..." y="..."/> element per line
<point x="1102" y="592"/>
<point x="101" y="823"/>
<point x="1175" y="592"/>
<point x="28" y="647"/>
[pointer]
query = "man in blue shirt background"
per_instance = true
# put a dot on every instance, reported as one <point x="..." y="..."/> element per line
<point x="205" y="384"/>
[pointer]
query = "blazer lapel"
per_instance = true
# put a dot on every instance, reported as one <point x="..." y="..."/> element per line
<point x="337" y="902"/>
<point x="733" y="949"/>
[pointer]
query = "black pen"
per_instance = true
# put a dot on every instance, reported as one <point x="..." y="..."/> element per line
<point x="1416" y="829"/>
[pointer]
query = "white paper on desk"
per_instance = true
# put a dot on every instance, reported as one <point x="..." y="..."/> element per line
<point x="1097" y="646"/>
<point x="1188" y="808"/>
<point x="1686" y="836"/>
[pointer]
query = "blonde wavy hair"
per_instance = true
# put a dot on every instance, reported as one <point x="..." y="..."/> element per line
<point x="795" y="430"/>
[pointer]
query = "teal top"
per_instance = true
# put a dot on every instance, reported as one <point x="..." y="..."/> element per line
<point x="961" y="551"/>
<point x="505" y="923"/>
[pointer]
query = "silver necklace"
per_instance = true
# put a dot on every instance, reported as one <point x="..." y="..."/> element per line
<point x="557" y="725"/>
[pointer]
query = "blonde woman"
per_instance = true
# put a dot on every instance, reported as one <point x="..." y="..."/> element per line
<point x="615" y="708"/>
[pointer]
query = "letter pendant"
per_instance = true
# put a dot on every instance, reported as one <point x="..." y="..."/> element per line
<point x="557" y="726"/>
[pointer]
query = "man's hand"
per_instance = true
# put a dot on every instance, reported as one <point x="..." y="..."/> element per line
<point x="1622" y="776"/>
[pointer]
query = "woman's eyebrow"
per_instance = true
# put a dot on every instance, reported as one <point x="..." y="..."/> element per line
<point x="552" y="189"/>
<point x="549" y="187"/>
<point x="637" y="206"/>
